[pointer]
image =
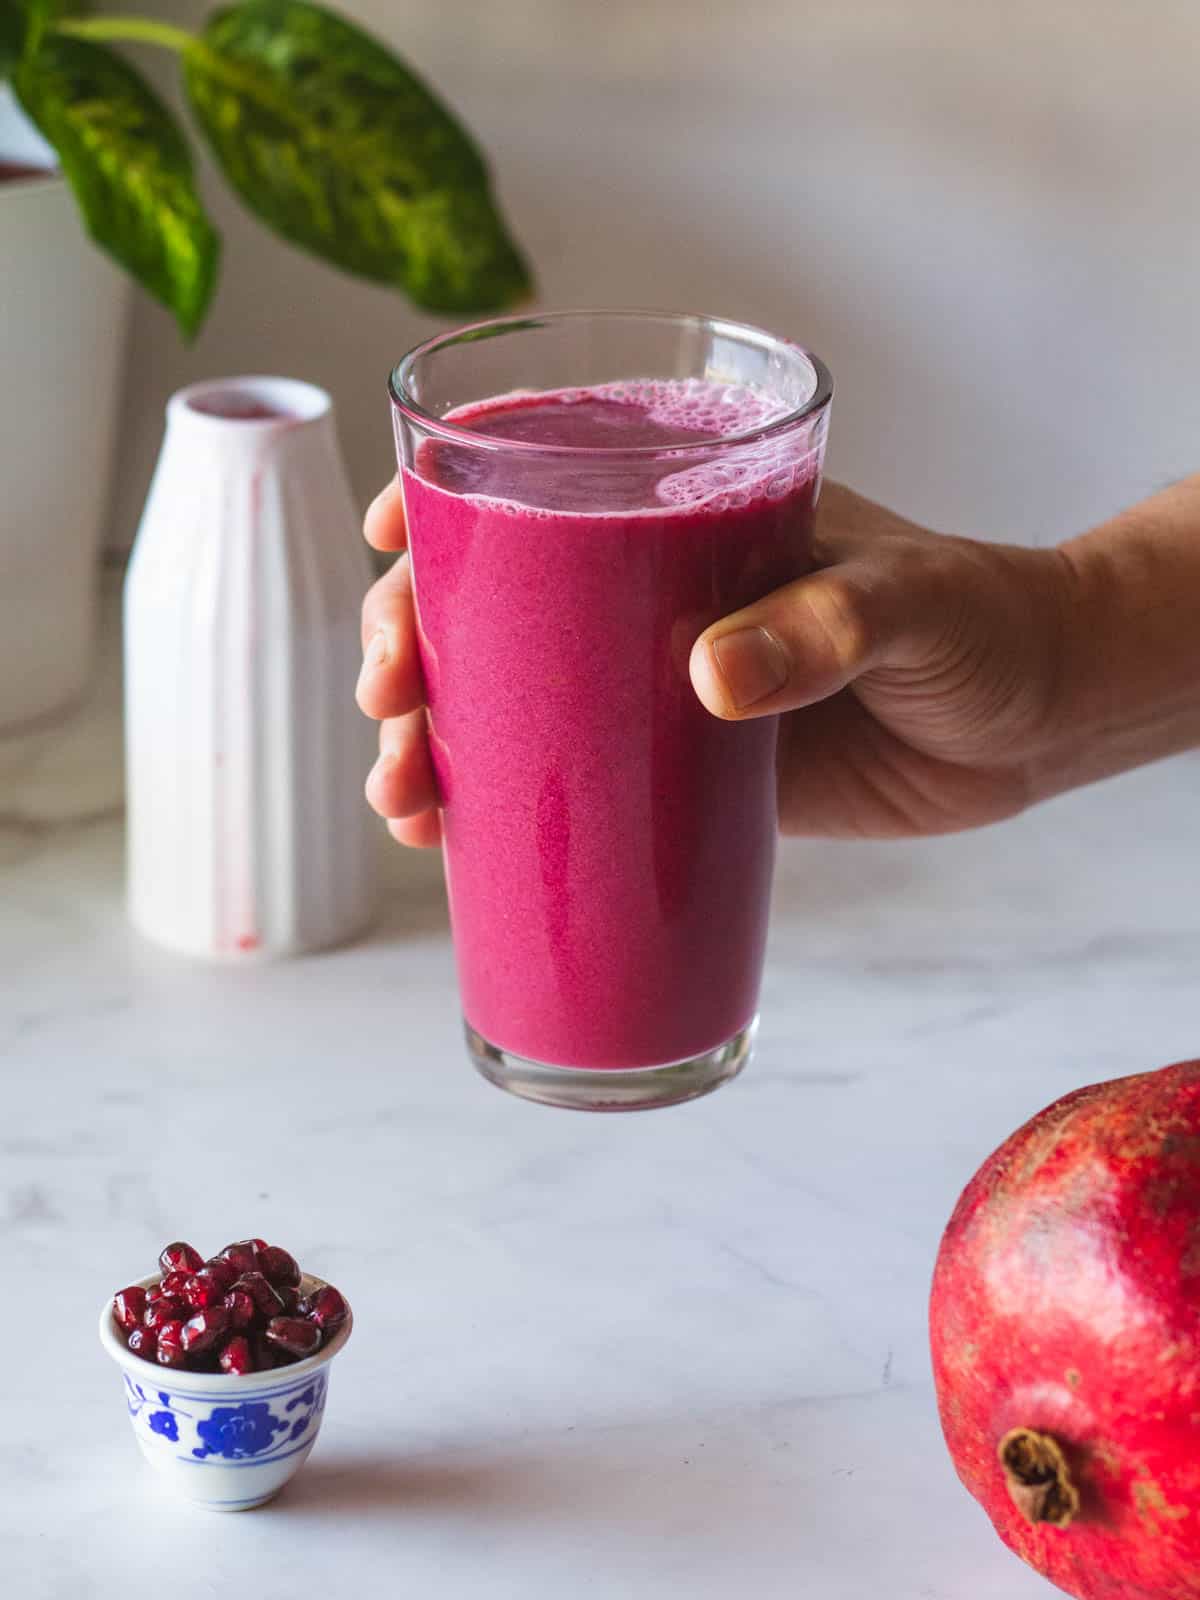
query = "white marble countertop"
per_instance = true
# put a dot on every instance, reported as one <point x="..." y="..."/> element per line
<point x="679" y="1353"/>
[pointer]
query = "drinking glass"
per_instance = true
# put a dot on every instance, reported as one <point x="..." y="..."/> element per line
<point x="585" y="493"/>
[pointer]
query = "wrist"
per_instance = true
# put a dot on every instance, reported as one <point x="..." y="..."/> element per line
<point x="1090" y="600"/>
<point x="1128" y="674"/>
<point x="1067" y="596"/>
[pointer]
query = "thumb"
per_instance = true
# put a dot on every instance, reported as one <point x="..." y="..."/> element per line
<point x="811" y="638"/>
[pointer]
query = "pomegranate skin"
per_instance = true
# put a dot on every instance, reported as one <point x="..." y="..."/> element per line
<point x="1065" y="1331"/>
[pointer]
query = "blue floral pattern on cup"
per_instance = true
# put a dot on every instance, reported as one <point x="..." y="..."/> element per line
<point x="256" y="1429"/>
<point x="164" y="1422"/>
<point x="238" y="1431"/>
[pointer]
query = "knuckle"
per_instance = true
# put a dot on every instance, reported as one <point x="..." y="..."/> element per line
<point x="931" y="565"/>
<point x="839" y="608"/>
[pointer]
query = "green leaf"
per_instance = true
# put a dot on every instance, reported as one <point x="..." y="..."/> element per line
<point x="15" y="20"/>
<point x="129" y="166"/>
<point x="337" y="146"/>
<point x="19" y="19"/>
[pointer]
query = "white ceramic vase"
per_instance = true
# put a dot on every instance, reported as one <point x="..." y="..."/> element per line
<point x="248" y="833"/>
<point x="63" y="312"/>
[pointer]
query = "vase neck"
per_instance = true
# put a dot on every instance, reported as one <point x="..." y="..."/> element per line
<point x="251" y="414"/>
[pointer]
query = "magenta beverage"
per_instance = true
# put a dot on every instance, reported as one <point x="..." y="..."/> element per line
<point x="608" y="842"/>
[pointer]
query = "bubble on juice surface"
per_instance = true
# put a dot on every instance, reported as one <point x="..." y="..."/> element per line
<point x="770" y="469"/>
<point x="718" y="469"/>
<point x="764" y="469"/>
<point x="709" y="409"/>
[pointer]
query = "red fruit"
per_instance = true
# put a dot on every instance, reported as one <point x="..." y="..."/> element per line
<point x="179" y="1257"/>
<point x="294" y="1334"/>
<point x="280" y="1267"/>
<point x="266" y="1356"/>
<point x="206" y="1288"/>
<point x="261" y="1292"/>
<point x="236" y="1356"/>
<point x="170" y="1351"/>
<point x="220" y="1272"/>
<point x="289" y="1298"/>
<point x="213" y="1284"/>
<point x="1065" y="1323"/>
<point x="327" y="1309"/>
<point x="241" y="1308"/>
<point x="128" y="1306"/>
<point x="143" y="1342"/>
<point x="174" y="1282"/>
<point x="167" y="1308"/>
<point x="259" y="1244"/>
<point x="203" y="1330"/>
<point x="242" y="1257"/>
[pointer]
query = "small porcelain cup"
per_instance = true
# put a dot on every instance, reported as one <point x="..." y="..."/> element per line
<point x="227" y="1443"/>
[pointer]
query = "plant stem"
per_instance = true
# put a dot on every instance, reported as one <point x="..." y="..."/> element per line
<point x="138" y="30"/>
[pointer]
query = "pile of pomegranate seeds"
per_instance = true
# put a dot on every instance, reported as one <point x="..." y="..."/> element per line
<point x="241" y="1311"/>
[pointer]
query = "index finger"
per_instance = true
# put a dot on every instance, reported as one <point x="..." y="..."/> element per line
<point x="384" y="526"/>
<point x="849" y="524"/>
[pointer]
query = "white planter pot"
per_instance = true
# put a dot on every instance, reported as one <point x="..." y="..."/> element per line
<point x="248" y="832"/>
<point x="63" y="312"/>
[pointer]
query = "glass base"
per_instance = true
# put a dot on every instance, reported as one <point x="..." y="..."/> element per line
<point x="616" y="1089"/>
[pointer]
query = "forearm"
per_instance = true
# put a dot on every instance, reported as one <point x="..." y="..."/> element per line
<point x="1130" y="689"/>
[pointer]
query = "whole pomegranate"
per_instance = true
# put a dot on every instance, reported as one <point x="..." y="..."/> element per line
<point x="1065" y="1323"/>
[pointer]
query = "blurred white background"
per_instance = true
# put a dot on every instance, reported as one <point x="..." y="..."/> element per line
<point x="985" y="218"/>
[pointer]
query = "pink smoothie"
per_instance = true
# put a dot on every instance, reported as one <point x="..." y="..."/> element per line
<point x="609" y="843"/>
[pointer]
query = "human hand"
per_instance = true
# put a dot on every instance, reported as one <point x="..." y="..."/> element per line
<point x="401" y="785"/>
<point x="918" y="675"/>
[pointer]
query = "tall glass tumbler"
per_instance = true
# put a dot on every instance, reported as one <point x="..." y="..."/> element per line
<point x="585" y="493"/>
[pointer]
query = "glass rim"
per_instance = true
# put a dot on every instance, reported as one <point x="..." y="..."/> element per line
<point x="407" y="404"/>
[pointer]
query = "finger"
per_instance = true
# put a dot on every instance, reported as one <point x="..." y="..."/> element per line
<point x="402" y="782"/>
<point x="422" y="832"/>
<point x="390" y="683"/>
<point x="849" y="524"/>
<point x="811" y="638"/>
<point x="384" y="526"/>
<point x="842" y="774"/>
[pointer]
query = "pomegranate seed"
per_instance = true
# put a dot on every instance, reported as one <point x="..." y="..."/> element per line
<point x="259" y="1244"/>
<point x="128" y="1306"/>
<point x="220" y="1272"/>
<point x="290" y="1298"/>
<point x="179" y="1257"/>
<point x="260" y="1291"/>
<point x="167" y="1308"/>
<point x="170" y="1351"/>
<point x="267" y="1356"/>
<point x="237" y="1357"/>
<point x="215" y="1285"/>
<point x="327" y="1309"/>
<point x="203" y="1330"/>
<point x="200" y="1292"/>
<point x="279" y="1266"/>
<point x="143" y="1342"/>
<point x="242" y="1257"/>
<point x="175" y="1282"/>
<point x="294" y="1335"/>
<point x="243" y="1313"/>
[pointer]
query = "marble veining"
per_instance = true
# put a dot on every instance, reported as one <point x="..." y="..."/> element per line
<point x="681" y="1353"/>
